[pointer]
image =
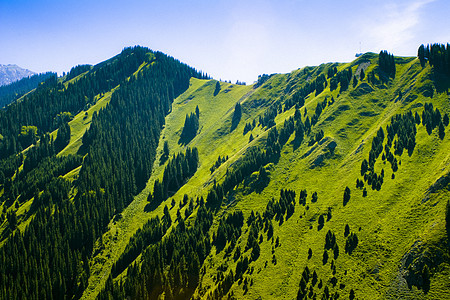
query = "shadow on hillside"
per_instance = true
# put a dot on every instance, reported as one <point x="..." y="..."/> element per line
<point x="151" y="206"/>
<point x="255" y="184"/>
<point x="183" y="141"/>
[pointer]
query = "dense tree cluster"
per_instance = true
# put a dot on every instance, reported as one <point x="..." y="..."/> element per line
<point x="178" y="170"/>
<point x="150" y="233"/>
<point x="331" y="71"/>
<point x="386" y="64"/>
<point x="77" y="70"/>
<point x="317" y="85"/>
<point x="300" y="128"/>
<point x="400" y="135"/>
<point x="241" y="267"/>
<point x="165" y="154"/>
<point x="284" y="206"/>
<point x="9" y="166"/>
<point x="127" y="130"/>
<point x="190" y="128"/>
<point x="297" y="99"/>
<point x="249" y="127"/>
<point x="286" y="131"/>
<point x="330" y="243"/>
<point x="27" y="136"/>
<point x="52" y="97"/>
<point x="171" y="266"/>
<point x="255" y="223"/>
<point x="431" y="118"/>
<point x="320" y="83"/>
<point x="62" y="137"/>
<point x="316" y="137"/>
<point x="343" y="78"/>
<point x="220" y="160"/>
<point x="253" y="159"/>
<point x="351" y="242"/>
<point x="30" y="183"/>
<point x="268" y="118"/>
<point x="306" y="276"/>
<point x="15" y="90"/>
<point x="261" y="80"/>
<point x="319" y="109"/>
<point x="437" y="55"/>
<point x="402" y="126"/>
<point x="354" y="81"/>
<point x="229" y="230"/>
<point x="302" y="198"/>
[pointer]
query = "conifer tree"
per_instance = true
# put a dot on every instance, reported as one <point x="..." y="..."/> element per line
<point x="217" y="88"/>
<point x="236" y="116"/>
<point x="346" y="195"/>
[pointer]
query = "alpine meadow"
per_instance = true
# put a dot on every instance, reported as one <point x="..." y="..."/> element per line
<point x="141" y="177"/>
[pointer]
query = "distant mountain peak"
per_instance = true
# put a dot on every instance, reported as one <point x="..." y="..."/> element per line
<point x="12" y="72"/>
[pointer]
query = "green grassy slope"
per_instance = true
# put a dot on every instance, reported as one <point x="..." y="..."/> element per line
<point x="403" y="220"/>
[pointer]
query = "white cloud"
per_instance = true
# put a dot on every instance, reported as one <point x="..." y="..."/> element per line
<point x="393" y="27"/>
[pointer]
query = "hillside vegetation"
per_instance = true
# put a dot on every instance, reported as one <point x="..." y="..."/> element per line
<point x="151" y="180"/>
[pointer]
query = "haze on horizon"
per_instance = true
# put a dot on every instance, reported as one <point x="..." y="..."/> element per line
<point x="230" y="40"/>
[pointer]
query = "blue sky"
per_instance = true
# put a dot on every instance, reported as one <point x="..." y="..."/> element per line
<point x="230" y="40"/>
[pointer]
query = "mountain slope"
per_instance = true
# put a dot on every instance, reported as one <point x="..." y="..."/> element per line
<point x="39" y="192"/>
<point x="156" y="181"/>
<point x="388" y="223"/>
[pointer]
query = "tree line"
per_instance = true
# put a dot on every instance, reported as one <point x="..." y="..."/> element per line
<point x="437" y="55"/>
<point x="15" y="90"/>
<point x="178" y="170"/>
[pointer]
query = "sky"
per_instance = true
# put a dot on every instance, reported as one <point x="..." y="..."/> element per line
<point x="229" y="40"/>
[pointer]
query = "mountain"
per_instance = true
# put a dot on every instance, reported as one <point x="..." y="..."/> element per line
<point x="141" y="177"/>
<point x="10" y="73"/>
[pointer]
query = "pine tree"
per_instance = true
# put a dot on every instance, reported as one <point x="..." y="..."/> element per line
<point x="445" y="120"/>
<point x="197" y="112"/>
<point x="166" y="150"/>
<point x="314" y="197"/>
<point x="346" y="195"/>
<point x="217" y="88"/>
<point x="421" y="55"/>
<point x="426" y="278"/>
<point x="346" y="230"/>
<point x="441" y="131"/>
<point x="325" y="257"/>
<point x="236" y="116"/>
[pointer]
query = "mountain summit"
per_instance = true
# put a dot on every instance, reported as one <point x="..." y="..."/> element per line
<point x="10" y="73"/>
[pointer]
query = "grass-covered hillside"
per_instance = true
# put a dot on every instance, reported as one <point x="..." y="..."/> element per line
<point x="328" y="182"/>
<point x="399" y="225"/>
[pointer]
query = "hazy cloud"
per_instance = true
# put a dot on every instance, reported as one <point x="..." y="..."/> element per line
<point x="394" y="24"/>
